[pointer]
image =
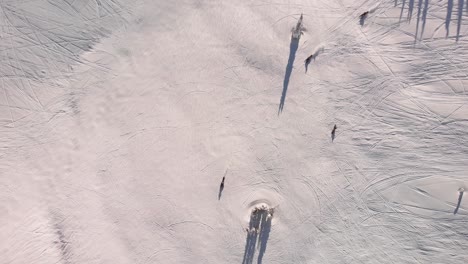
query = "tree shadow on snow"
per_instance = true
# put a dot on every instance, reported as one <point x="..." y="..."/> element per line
<point x="448" y="18"/>
<point x="293" y="46"/>
<point x="422" y="9"/>
<point x="460" y="16"/>
<point x="257" y="234"/>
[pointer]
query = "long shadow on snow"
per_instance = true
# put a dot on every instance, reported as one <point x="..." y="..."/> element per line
<point x="448" y="17"/>
<point x="259" y="230"/>
<point x="460" y="15"/>
<point x="420" y="18"/>
<point x="402" y="8"/>
<point x="293" y="46"/>
<point x="423" y="6"/>
<point x="263" y="236"/>
<point x="410" y="10"/>
<point x="421" y="9"/>
<point x="417" y="22"/>
<point x="424" y="16"/>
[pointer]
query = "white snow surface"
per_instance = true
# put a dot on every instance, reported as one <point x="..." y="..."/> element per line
<point x="120" y="118"/>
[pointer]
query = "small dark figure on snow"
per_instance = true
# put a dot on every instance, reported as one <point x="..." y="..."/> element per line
<point x="363" y="17"/>
<point x="314" y="55"/>
<point x="221" y="188"/>
<point x="333" y="133"/>
<point x="222" y="184"/>
<point x="308" y="60"/>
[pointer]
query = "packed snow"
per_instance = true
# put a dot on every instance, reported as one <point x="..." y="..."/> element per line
<point x="233" y="131"/>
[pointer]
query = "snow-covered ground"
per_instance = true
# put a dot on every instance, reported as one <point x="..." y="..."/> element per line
<point x="119" y="120"/>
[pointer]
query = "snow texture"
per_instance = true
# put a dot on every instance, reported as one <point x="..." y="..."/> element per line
<point x="120" y="119"/>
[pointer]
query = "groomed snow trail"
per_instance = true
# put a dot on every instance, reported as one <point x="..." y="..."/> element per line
<point x="120" y="119"/>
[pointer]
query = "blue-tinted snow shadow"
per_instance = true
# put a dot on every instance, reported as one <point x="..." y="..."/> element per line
<point x="422" y="16"/>
<point x="419" y="19"/>
<point x="459" y="17"/>
<point x="263" y="236"/>
<point x="422" y="11"/>
<point x="293" y="46"/>
<point x="410" y="10"/>
<point x="448" y="18"/>
<point x="257" y="235"/>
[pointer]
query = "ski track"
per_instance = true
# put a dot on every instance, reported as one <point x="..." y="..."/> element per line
<point x="119" y="119"/>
